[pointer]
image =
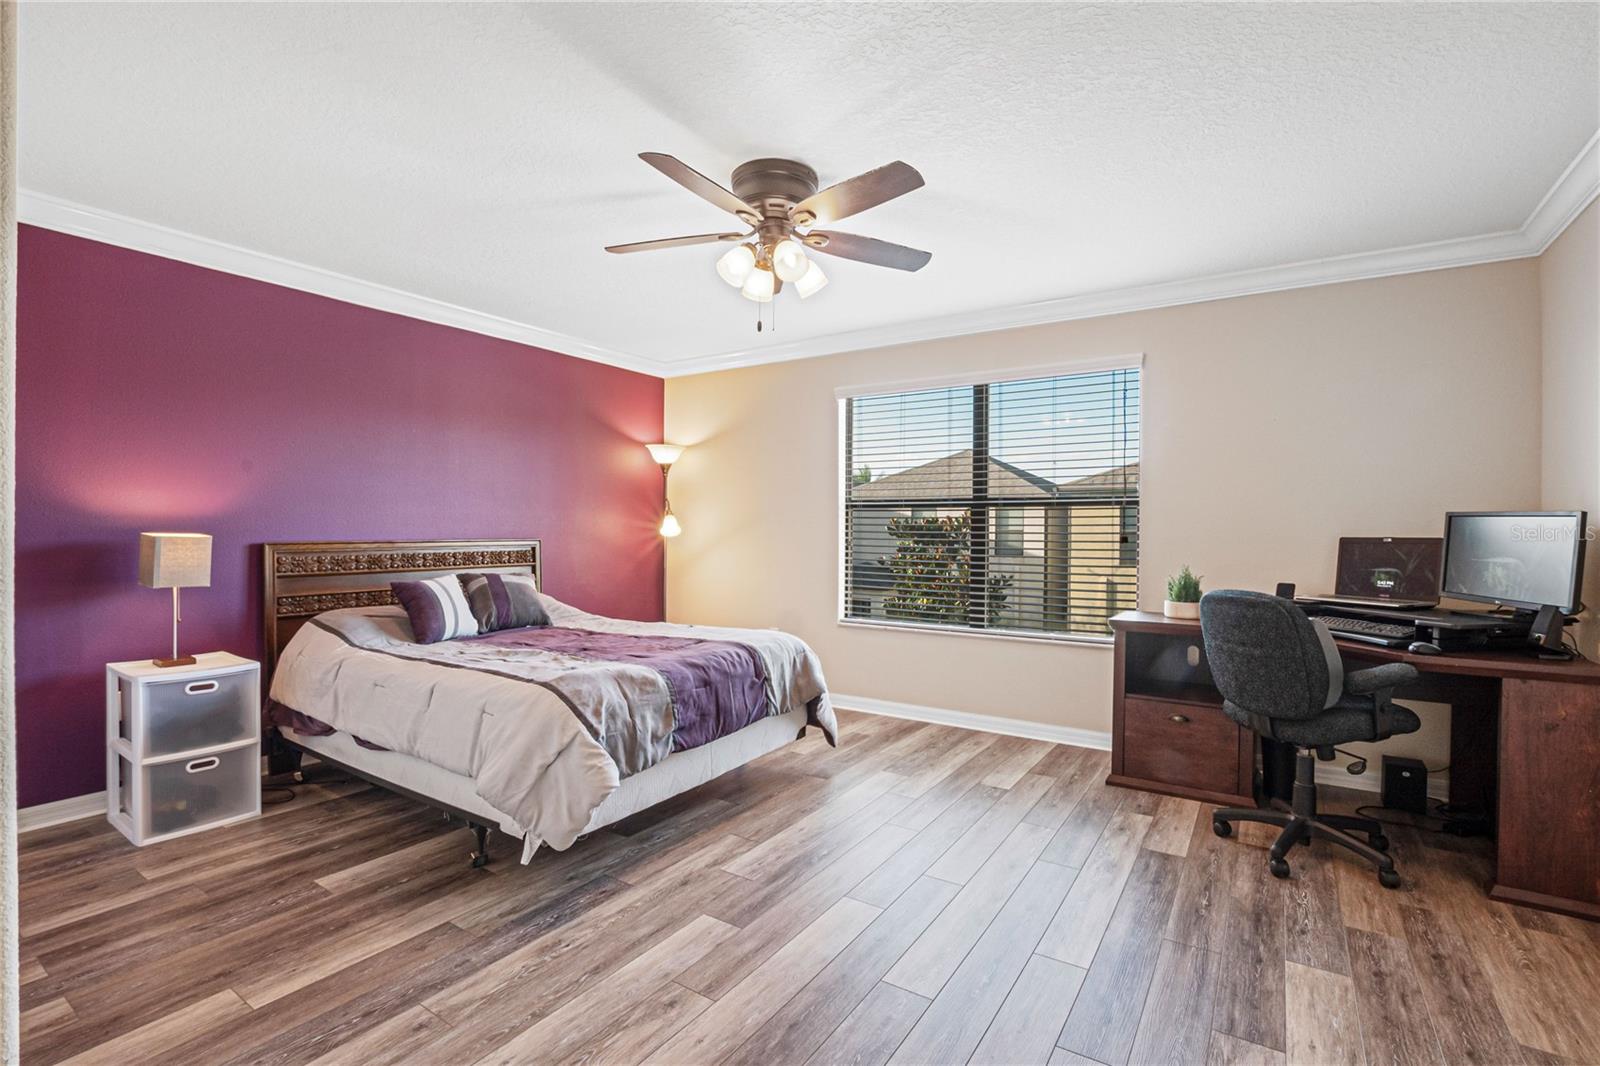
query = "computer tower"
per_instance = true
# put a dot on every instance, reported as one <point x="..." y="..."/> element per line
<point x="1405" y="784"/>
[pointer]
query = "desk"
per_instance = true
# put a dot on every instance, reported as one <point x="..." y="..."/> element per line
<point x="1524" y="746"/>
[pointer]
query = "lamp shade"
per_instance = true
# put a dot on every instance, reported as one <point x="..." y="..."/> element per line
<point x="665" y="454"/>
<point x="174" y="560"/>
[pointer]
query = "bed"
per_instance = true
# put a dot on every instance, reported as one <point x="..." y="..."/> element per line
<point x="547" y="732"/>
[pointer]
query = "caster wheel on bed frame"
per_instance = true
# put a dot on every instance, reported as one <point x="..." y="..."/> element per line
<point x="480" y="856"/>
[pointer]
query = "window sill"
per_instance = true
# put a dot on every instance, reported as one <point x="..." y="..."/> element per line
<point x="1016" y="635"/>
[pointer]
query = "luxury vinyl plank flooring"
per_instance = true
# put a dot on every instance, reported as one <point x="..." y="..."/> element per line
<point x="919" y="894"/>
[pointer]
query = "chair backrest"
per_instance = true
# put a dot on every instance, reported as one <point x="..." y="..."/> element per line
<point x="1266" y="657"/>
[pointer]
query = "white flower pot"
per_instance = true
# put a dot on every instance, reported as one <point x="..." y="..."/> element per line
<point x="1174" y="609"/>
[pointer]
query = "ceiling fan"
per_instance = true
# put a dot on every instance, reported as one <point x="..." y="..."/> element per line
<point x="778" y="199"/>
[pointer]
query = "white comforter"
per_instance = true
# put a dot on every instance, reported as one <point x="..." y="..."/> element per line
<point x="471" y="708"/>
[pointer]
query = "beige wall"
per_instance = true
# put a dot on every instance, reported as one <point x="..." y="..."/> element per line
<point x="1272" y="425"/>
<point x="1569" y="288"/>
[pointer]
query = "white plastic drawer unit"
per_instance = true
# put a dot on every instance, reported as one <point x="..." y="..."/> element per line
<point x="192" y="714"/>
<point x="183" y="746"/>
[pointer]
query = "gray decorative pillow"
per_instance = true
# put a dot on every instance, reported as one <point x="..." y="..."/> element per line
<point x="437" y="609"/>
<point x="504" y="601"/>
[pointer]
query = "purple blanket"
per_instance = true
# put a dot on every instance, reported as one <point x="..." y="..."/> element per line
<point x="718" y="687"/>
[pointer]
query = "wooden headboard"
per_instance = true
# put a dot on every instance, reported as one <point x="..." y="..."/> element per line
<point x="305" y="579"/>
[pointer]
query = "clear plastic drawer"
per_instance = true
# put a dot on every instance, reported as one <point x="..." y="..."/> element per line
<point x="188" y="793"/>
<point x="182" y="715"/>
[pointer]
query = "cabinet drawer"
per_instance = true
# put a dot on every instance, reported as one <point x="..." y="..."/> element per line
<point x="1189" y="744"/>
<point x="189" y="793"/>
<point x="182" y="715"/>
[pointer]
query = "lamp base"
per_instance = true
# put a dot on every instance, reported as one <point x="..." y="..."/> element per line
<point x="182" y="660"/>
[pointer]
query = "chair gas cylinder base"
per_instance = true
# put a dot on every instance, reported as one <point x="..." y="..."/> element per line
<point x="1281" y="675"/>
<point x="1302" y="824"/>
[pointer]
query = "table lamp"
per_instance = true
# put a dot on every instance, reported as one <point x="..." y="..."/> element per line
<point x="175" y="561"/>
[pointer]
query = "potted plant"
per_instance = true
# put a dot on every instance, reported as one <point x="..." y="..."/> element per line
<point x="1183" y="595"/>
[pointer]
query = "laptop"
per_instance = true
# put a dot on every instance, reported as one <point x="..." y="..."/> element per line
<point x="1399" y="573"/>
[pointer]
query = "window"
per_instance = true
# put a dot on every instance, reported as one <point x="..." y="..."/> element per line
<point x="1009" y="506"/>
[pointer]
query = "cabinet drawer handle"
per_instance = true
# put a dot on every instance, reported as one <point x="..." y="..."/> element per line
<point x="200" y="766"/>
<point x="1180" y="718"/>
<point x="195" y="688"/>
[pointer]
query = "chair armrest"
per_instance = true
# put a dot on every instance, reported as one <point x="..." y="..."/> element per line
<point x="1389" y="675"/>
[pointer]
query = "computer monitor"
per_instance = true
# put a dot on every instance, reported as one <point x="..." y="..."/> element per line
<point x="1405" y="569"/>
<point x="1522" y="559"/>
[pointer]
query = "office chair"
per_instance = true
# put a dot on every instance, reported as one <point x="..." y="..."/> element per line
<point x="1281" y="676"/>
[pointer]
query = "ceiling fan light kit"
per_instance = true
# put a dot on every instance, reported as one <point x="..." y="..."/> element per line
<point x="778" y="199"/>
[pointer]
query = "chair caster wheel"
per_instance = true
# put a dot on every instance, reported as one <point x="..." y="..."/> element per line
<point x="1279" y="868"/>
<point x="1379" y="841"/>
<point x="1389" y="878"/>
<point x="1221" y="828"/>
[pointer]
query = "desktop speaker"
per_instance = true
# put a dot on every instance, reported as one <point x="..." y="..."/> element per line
<point x="1405" y="785"/>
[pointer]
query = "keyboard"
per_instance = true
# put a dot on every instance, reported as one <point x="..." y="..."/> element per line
<point x="1371" y="632"/>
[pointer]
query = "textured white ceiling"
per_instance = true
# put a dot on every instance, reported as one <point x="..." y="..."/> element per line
<point x="483" y="154"/>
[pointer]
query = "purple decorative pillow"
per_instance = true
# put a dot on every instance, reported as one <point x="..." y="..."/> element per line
<point x="437" y="608"/>
<point x="504" y="601"/>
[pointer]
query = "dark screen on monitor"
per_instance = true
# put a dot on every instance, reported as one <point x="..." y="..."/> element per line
<point x="1513" y="558"/>
<point x="1390" y="568"/>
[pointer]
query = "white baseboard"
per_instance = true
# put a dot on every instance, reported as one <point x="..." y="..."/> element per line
<point x="984" y="723"/>
<point x="1330" y="774"/>
<point x="68" y="810"/>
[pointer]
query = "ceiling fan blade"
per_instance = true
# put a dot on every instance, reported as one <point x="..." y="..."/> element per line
<point x="869" y="250"/>
<point x="674" y="242"/>
<point x="857" y="194"/>
<point x="700" y="185"/>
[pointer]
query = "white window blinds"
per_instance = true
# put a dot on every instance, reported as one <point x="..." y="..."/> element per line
<point x="1004" y="506"/>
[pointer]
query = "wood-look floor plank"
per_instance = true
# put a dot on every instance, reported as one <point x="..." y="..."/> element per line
<point x="929" y="962"/>
<point x="1313" y="924"/>
<point x="1396" y="1027"/>
<point x="1172" y="825"/>
<point x="1016" y="765"/>
<point x="921" y="774"/>
<point x="396" y="1041"/>
<point x="807" y="1020"/>
<point x="968" y="854"/>
<point x="764" y="861"/>
<point x="912" y="861"/>
<point x="1228" y="1050"/>
<point x="605" y="1003"/>
<point x="761" y="937"/>
<point x="1322" y="1018"/>
<point x="1249" y="1000"/>
<point x="1105" y="1015"/>
<point x="1077" y="929"/>
<point x="731" y="1020"/>
<point x="1076" y="774"/>
<point x="30" y="970"/>
<point x="1030" y="1019"/>
<point x="936" y="800"/>
<point x="651" y="1023"/>
<point x="149" y="1041"/>
<point x="1176" y="1023"/>
<point x="954" y="1024"/>
<point x="1081" y="828"/>
<point x="1454" y="986"/>
<point x="36" y="1024"/>
<point x="873" y="1030"/>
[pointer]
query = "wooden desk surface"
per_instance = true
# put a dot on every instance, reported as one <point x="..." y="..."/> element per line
<point x="1524" y="665"/>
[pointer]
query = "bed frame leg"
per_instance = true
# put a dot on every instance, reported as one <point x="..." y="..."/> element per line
<point x="480" y="857"/>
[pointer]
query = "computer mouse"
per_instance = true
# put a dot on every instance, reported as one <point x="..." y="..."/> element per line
<point x="1422" y="647"/>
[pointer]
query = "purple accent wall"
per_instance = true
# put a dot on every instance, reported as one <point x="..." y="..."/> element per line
<point x="154" y="395"/>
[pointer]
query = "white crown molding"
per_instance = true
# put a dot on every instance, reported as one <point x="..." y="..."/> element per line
<point x="1328" y="773"/>
<point x="80" y="220"/>
<point x="1575" y="189"/>
<point x="71" y="809"/>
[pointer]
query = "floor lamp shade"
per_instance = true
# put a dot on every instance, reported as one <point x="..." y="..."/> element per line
<point x="174" y="560"/>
